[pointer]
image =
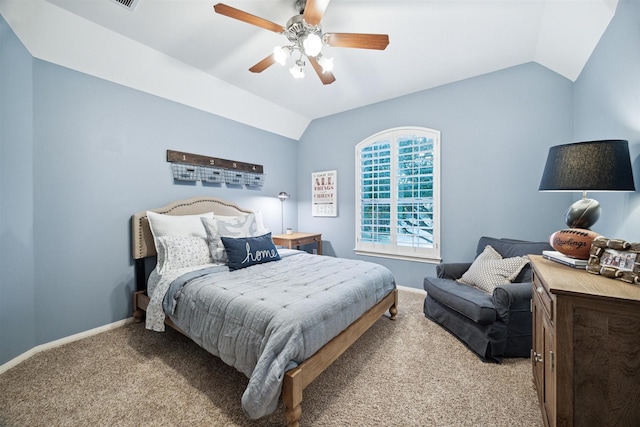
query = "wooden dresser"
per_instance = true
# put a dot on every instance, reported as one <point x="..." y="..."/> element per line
<point x="586" y="347"/>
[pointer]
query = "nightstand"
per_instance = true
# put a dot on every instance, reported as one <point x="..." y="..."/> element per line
<point x="298" y="239"/>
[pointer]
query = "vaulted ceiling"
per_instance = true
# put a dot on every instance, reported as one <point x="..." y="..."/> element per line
<point x="184" y="51"/>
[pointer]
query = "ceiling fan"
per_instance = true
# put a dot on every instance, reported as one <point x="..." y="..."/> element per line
<point x="305" y="34"/>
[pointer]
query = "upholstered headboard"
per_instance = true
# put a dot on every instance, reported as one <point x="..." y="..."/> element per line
<point x="141" y="236"/>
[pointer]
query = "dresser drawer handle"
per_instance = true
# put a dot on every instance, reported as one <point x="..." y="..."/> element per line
<point x="539" y="289"/>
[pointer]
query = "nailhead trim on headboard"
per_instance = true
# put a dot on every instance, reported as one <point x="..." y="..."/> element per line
<point x="142" y="239"/>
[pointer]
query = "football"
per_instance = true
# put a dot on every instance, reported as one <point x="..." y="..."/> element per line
<point x="573" y="242"/>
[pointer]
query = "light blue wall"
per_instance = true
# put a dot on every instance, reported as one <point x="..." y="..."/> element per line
<point x="100" y="156"/>
<point x="79" y="156"/>
<point x="607" y="106"/>
<point x="495" y="132"/>
<point x="17" y="288"/>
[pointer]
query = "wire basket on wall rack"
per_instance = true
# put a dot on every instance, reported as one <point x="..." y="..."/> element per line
<point x="211" y="175"/>
<point x="184" y="172"/>
<point x="233" y="177"/>
<point x="254" y="179"/>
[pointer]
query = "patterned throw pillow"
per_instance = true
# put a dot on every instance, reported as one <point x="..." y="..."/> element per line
<point x="245" y="252"/>
<point x="227" y="226"/>
<point x="176" y="252"/>
<point x="489" y="269"/>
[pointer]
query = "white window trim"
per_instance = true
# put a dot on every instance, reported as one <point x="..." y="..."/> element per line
<point x="431" y="255"/>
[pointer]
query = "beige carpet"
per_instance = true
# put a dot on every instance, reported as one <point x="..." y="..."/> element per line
<point x="404" y="373"/>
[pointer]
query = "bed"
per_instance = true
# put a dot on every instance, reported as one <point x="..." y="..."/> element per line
<point x="296" y="315"/>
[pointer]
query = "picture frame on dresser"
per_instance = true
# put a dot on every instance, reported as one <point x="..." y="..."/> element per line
<point x="615" y="259"/>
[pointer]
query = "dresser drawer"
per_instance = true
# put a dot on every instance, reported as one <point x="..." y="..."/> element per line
<point x="541" y="293"/>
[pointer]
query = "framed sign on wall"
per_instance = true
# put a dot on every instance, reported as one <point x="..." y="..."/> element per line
<point x="324" y="187"/>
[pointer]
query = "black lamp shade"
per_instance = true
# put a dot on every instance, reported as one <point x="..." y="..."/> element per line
<point x="588" y="166"/>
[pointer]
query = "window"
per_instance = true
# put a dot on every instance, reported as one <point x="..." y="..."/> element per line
<point x="398" y="194"/>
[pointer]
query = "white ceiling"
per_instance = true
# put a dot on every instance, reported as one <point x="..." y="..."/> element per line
<point x="183" y="50"/>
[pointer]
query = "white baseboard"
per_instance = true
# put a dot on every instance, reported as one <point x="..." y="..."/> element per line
<point x="413" y="290"/>
<point x="57" y="343"/>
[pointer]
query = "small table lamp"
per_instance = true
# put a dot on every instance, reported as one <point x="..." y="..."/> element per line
<point x="282" y="196"/>
<point x="588" y="166"/>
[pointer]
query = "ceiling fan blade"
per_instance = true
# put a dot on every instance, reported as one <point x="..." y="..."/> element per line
<point x="355" y="40"/>
<point x="263" y="65"/>
<point x="326" y="77"/>
<point x="238" y="14"/>
<point x="314" y="11"/>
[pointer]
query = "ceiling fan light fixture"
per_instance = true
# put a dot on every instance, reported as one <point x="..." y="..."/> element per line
<point x="297" y="70"/>
<point x="312" y="44"/>
<point x="280" y="55"/>
<point x="325" y="63"/>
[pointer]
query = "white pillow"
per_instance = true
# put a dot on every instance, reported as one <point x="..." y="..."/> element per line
<point x="177" y="225"/>
<point x="176" y="252"/>
<point x="228" y="226"/>
<point x="257" y="217"/>
<point x="489" y="269"/>
<point x="260" y="223"/>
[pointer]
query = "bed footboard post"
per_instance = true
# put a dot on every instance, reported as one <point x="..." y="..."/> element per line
<point x="393" y="310"/>
<point x="292" y="396"/>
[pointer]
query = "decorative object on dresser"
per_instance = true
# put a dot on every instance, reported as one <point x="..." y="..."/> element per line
<point x="299" y="239"/>
<point x="616" y="259"/>
<point x="587" y="166"/>
<point x="573" y="242"/>
<point x="563" y="259"/>
<point x="486" y="304"/>
<point x="586" y="351"/>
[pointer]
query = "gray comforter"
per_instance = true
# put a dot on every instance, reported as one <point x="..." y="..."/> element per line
<point x="265" y="319"/>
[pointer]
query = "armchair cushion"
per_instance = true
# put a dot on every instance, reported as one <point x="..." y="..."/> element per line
<point x="465" y="299"/>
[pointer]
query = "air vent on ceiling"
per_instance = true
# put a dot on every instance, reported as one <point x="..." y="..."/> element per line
<point x="129" y="4"/>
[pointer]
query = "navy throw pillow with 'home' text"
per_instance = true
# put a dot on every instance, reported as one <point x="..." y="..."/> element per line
<point x="246" y="251"/>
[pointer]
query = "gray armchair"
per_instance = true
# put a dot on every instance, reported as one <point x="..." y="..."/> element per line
<point x="493" y="325"/>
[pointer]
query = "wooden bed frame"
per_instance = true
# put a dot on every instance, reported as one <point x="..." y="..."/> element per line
<point x="296" y="379"/>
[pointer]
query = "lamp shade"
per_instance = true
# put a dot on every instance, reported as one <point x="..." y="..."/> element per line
<point x="588" y="166"/>
<point x="283" y="196"/>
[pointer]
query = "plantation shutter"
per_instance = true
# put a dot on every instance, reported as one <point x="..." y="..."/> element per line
<point x="414" y="216"/>
<point x="375" y="190"/>
<point x="397" y="179"/>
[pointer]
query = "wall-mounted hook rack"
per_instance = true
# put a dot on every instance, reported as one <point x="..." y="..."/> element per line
<point x="213" y="170"/>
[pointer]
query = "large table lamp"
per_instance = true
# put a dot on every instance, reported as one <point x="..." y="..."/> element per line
<point x="587" y="166"/>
